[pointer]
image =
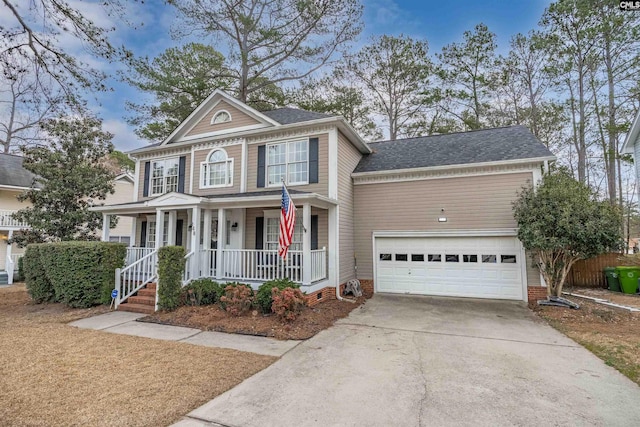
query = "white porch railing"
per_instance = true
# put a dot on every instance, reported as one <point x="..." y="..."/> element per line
<point x="262" y="265"/>
<point x="136" y="253"/>
<point x="132" y="278"/>
<point x="6" y="219"/>
<point x="318" y="264"/>
<point x="189" y="268"/>
<point x="15" y="258"/>
<point x="206" y="263"/>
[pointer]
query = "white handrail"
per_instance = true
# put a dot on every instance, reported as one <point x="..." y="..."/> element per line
<point x="318" y="264"/>
<point x="189" y="268"/>
<point x="132" y="278"/>
<point x="135" y="253"/>
<point x="6" y="219"/>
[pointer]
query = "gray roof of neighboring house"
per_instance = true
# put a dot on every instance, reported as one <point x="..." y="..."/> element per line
<point x="12" y="173"/>
<point x="480" y="146"/>
<point x="287" y="115"/>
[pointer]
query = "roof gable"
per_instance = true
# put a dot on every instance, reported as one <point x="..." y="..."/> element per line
<point x="633" y="137"/>
<point x="481" y="146"/>
<point x="199" y="123"/>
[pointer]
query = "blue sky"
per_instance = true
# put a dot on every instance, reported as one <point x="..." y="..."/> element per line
<point x="439" y="22"/>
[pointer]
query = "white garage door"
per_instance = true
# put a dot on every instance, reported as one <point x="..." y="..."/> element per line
<point x="477" y="267"/>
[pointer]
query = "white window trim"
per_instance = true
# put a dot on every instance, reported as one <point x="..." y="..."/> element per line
<point x="164" y="178"/>
<point x="266" y="164"/>
<point x="275" y="214"/>
<point x="213" y="119"/>
<point x="201" y="184"/>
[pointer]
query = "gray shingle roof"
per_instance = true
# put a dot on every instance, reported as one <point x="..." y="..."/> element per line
<point x="480" y="146"/>
<point x="12" y="173"/>
<point x="287" y="115"/>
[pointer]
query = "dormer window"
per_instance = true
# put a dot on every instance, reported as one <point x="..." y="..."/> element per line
<point x="217" y="170"/>
<point x="221" y="117"/>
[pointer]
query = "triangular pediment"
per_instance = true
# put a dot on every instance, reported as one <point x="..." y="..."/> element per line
<point x="173" y="199"/>
<point x="219" y="114"/>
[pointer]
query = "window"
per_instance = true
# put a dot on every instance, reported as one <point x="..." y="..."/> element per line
<point x="120" y="239"/>
<point x="164" y="176"/>
<point x="452" y="258"/>
<point x="151" y="234"/>
<point x="385" y="257"/>
<point x="217" y="170"/>
<point x="221" y="117"/>
<point x="401" y="257"/>
<point x="434" y="258"/>
<point x="508" y="259"/>
<point x="289" y="161"/>
<point x="417" y="257"/>
<point x="469" y="258"/>
<point x="489" y="258"/>
<point x="272" y="229"/>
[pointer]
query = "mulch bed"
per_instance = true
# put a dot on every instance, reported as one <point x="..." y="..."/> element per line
<point x="612" y="334"/>
<point x="213" y="318"/>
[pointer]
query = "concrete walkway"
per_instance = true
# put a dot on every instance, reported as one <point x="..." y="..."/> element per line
<point x="120" y="322"/>
<point x="419" y="361"/>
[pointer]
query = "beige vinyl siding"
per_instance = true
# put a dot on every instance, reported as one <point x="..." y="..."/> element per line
<point x="233" y="152"/>
<point x="187" y="174"/>
<point x="9" y="201"/>
<point x="478" y="202"/>
<point x="533" y="274"/>
<point x="238" y="120"/>
<point x="123" y="194"/>
<point x="348" y="158"/>
<point x="253" y="213"/>
<point x="321" y="187"/>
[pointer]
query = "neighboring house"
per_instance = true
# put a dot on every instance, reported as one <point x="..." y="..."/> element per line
<point x="428" y="215"/>
<point x="14" y="179"/>
<point x="632" y="146"/>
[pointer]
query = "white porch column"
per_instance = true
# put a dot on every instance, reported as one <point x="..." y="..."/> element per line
<point x="334" y="255"/>
<point x="206" y="242"/>
<point x="195" y="242"/>
<point x="171" y="227"/>
<point x="159" y="227"/>
<point x="106" y="222"/>
<point x="134" y="231"/>
<point x="222" y="222"/>
<point x="9" y="250"/>
<point x="306" y="245"/>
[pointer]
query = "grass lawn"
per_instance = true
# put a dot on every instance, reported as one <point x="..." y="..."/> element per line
<point x="55" y="374"/>
<point x="611" y="334"/>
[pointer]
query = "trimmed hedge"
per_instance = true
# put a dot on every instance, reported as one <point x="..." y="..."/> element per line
<point x="264" y="298"/>
<point x="170" y="269"/>
<point x="35" y="275"/>
<point x="202" y="292"/>
<point x="82" y="273"/>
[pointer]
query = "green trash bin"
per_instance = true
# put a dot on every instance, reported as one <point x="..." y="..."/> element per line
<point x="628" y="277"/>
<point x="612" y="279"/>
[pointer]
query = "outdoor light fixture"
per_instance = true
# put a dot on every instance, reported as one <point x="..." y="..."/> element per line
<point x="442" y="219"/>
<point x="234" y="226"/>
<point x="190" y="227"/>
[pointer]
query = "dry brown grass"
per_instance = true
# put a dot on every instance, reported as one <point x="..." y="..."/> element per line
<point x="610" y="333"/>
<point x="55" y="374"/>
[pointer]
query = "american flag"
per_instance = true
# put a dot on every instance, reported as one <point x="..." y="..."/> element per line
<point x="287" y="223"/>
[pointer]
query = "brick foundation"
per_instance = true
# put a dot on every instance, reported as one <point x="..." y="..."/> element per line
<point x="534" y="293"/>
<point x="329" y="292"/>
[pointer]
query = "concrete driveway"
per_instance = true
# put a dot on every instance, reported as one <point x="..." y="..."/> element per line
<point x="421" y="361"/>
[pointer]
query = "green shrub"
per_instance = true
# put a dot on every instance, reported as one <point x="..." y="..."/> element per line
<point x="170" y="270"/>
<point x="263" y="297"/>
<point x="82" y="273"/>
<point x="38" y="285"/>
<point x="20" y="271"/>
<point x="287" y="303"/>
<point x="202" y="292"/>
<point x="237" y="299"/>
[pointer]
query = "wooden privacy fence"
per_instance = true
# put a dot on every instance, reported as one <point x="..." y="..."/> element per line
<point x="588" y="273"/>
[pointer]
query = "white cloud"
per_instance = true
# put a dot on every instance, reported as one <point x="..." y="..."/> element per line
<point x="124" y="138"/>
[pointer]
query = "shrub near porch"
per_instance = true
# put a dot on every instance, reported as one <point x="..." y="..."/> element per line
<point x="77" y="273"/>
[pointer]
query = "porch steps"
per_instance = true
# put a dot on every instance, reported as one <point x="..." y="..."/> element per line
<point x="4" y="278"/>
<point x="143" y="301"/>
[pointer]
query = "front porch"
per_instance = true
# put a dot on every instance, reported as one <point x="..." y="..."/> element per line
<point x="9" y="253"/>
<point x="230" y="239"/>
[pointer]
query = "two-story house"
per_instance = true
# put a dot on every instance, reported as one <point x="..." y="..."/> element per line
<point x="425" y="215"/>
<point x="14" y="179"/>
